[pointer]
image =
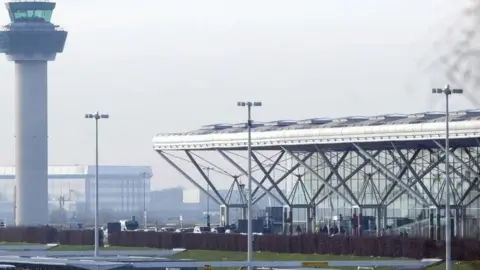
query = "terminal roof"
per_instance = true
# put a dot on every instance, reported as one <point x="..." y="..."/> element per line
<point x="322" y="122"/>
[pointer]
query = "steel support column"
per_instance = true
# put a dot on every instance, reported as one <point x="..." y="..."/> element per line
<point x="399" y="175"/>
<point x="341" y="195"/>
<point x="269" y="171"/>
<point x="331" y="174"/>
<point x="205" y="177"/>
<point x="378" y="219"/>
<point x="235" y="164"/>
<point x="272" y="182"/>
<point x="169" y="161"/>
<point x="390" y="175"/>
<point x="339" y="178"/>
<point x="464" y="164"/>
<point x="350" y="176"/>
<point x="469" y="189"/>
<point x="423" y="174"/>
<point x="415" y="175"/>
<point x="459" y="160"/>
<point x="283" y="177"/>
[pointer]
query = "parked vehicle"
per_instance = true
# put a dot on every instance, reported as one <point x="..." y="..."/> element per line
<point x="129" y="225"/>
<point x="201" y="229"/>
<point x="184" y="230"/>
<point x="219" y="230"/>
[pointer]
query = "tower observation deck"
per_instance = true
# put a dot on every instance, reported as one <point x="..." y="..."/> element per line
<point x="30" y="40"/>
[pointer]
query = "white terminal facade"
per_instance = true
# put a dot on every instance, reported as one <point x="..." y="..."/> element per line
<point x="385" y="166"/>
<point x="122" y="189"/>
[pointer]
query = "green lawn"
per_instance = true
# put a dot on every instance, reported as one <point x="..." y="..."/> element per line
<point x="205" y="255"/>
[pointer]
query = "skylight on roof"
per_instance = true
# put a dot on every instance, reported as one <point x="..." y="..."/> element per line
<point x="208" y="127"/>
<point x="475" y="112"/>
<point x="395" y="116"/>
<point x="434" y="114"/>
<point x="416" y="115"/>
<point x="426" y="115"/>
<point x="216" y="127"/>
<point x="244" y="125"/>
<point x="353" y="119"/>
<point x="281" y="123"/>
<point x="240" y="125"/>
<point x="378" y="117"/>
<point x="315" y="121"/>
<point x="222" y="126"/>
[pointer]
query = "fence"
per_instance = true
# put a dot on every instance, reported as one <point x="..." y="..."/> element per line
<point x="385" y="246"/>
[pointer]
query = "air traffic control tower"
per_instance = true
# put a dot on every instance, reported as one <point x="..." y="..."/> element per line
<point x="31" y="40"/>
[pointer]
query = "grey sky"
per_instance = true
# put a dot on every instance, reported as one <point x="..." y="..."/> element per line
<point x="167" y="66"/>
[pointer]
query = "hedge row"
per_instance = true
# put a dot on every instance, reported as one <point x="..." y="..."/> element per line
<point x="44" y="235"/>
<point x="386" y="246"/>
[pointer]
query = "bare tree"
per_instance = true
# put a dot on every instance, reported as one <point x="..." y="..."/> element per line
<point x="458" y="52"/>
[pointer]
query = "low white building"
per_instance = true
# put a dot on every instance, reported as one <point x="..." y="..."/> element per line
<point x="122" y="189"/>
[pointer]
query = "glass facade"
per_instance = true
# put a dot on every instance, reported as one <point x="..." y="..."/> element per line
<point x="370" y="185"/>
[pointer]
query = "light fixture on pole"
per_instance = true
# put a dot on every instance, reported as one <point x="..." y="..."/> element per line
<point x="208" y="194"/>
<point x="447" y="91"/>
<point x="249" y="106"/>
<point x="96" y="116"/>
<point x="144" y="176"/>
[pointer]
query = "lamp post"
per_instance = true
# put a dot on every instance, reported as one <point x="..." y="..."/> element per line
<point x="447" y="91"/>
<point x="145" y="175"/>
<point x="96" y="116"/>
<point x="249" y="106"/>
<point x="207" y="169"/>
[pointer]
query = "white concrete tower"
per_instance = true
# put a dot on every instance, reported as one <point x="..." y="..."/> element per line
<point x="31" y="40"/>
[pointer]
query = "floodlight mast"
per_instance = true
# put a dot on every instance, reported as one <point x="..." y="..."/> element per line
<point x="447" y="91"/>
<point x="249" y="106"/>
<point x="30" y="40"/>
<point x="96" y="116"/>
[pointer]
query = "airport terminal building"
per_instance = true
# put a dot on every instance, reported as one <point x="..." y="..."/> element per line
<point x="389" y="168"/>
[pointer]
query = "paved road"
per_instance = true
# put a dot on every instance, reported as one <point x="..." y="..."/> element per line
<point x="88" y="253"/>
<point x="23" y="247"/>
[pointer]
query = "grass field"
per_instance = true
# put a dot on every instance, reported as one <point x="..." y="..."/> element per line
<point x="206" y="255"/>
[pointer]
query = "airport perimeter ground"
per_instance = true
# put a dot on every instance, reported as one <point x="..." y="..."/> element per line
<point x="208" y="255"/>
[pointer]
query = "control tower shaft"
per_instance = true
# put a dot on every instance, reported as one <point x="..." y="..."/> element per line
<point x="30" y="41"/>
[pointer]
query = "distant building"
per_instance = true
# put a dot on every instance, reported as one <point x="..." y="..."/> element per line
<point x="122" y="189"/>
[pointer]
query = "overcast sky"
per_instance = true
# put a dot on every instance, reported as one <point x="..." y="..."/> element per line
<point x="170" y="66"/>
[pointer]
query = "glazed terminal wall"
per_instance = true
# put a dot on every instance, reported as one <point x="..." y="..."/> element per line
<point x="404" y="205"/>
